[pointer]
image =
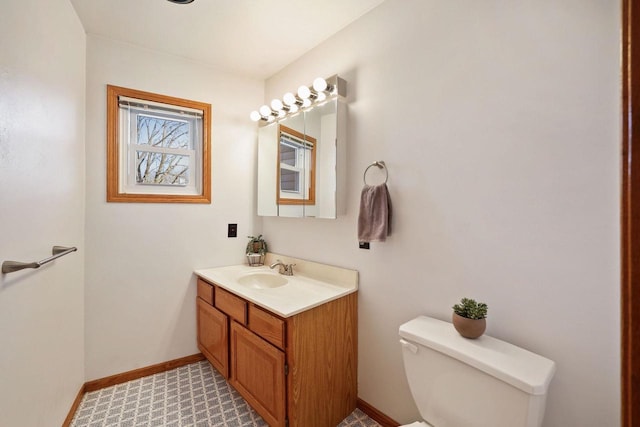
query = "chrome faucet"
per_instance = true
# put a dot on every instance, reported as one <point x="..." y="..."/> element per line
<point x="286" y="269"/>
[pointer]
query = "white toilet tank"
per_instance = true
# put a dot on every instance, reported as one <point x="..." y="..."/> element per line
<point x="458" y="382"/>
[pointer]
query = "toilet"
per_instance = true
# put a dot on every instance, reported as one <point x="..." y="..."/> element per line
<point x="458" y="382"/>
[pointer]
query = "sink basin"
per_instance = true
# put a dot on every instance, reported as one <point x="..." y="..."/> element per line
<point x="262" y="280"/>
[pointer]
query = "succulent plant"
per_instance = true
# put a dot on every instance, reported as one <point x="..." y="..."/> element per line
<point x="471" y="309"/>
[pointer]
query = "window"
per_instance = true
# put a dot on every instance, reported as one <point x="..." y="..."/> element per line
<point x="158" y="148"/>
<point x="296" y="167"/>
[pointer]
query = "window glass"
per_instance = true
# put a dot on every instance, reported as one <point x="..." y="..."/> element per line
<point x="162" y="168"/>
<point x="162" y="132"/>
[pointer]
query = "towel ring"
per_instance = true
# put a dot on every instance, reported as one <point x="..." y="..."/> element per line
<point x="380" y="164"/>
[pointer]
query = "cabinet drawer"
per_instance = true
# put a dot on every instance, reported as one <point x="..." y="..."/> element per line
<point x="232" y="305"/>
<point x="268" y="326"/>
<point x="205" y="291"/>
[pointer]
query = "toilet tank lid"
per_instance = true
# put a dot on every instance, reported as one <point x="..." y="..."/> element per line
<point x="521" y="368"/>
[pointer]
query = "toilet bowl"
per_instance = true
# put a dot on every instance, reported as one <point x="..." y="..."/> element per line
<point x="458" y="382"/>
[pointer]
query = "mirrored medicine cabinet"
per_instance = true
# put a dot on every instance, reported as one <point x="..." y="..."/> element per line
<point x="301" y="161"/>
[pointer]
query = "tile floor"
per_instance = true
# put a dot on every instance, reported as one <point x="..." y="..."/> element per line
<point x="192" y="395"/>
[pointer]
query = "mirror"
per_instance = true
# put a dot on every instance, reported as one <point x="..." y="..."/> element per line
<point x="299" y="158"/>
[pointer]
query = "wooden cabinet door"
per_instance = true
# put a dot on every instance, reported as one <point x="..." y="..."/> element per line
<point x="213" y="336"/>
<point x="257" y="372"/>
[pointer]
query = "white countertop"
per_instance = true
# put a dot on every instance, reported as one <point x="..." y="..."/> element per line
<point x="300" y="293"/>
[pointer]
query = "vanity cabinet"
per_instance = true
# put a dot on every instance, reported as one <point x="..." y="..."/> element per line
<point x="299" y="371"/>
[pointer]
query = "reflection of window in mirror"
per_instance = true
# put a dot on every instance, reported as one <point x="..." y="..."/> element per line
<point x="296" y="167"/>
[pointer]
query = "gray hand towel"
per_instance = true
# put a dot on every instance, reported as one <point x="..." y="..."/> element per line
<point x="374" y="220"/>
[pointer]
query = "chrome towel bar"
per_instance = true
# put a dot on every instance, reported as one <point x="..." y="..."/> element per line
<point x="56" y="251"/>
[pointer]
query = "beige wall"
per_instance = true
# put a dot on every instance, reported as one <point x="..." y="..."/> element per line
<point x="499" y="123"/>
<point x="140" y="291"/>
<point x="42" y="94"/>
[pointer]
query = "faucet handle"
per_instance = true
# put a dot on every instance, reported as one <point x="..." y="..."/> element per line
<point x="288" y="269"/>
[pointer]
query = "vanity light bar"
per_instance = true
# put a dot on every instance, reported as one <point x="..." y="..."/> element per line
<point x="306" y="97"/>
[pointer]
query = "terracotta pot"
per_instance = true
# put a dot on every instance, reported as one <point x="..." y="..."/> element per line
<point x="469" y="328"/>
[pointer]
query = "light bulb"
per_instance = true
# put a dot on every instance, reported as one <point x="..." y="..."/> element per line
<point x="270" y="118"/>
<point x="281" y="114"/>
<point x="321" y="97"/>
<point x="306" y="103"/>
<point x="265" y="110"/>
<point x="320" y="84"/>
<point x="293" y="109"/>
<point x="289" y="98"/>
<point x="255" y="116"/>
<point x="276" y="105"/>
<point x="304" y="92"/>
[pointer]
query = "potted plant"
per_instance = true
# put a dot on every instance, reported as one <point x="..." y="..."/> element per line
<point x="256" y="249"/>
<point x="470" y="318"/>
<point x="256" y="245"/>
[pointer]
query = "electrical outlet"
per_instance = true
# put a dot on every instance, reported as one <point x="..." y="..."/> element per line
<point x="232" y="230"/>
<point x="364" y="245"/>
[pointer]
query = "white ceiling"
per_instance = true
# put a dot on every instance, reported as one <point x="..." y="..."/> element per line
<point x="255" y="38"/>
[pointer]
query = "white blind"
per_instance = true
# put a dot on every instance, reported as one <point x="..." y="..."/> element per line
<point x="126" y="102"/>
<point x="295" y="141"/>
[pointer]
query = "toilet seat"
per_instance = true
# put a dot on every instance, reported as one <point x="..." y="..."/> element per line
<point x="417" y="424"/>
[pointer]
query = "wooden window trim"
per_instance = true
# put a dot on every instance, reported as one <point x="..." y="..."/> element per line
<point x="114" y="147"/>
<point x="312" y="175"/>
